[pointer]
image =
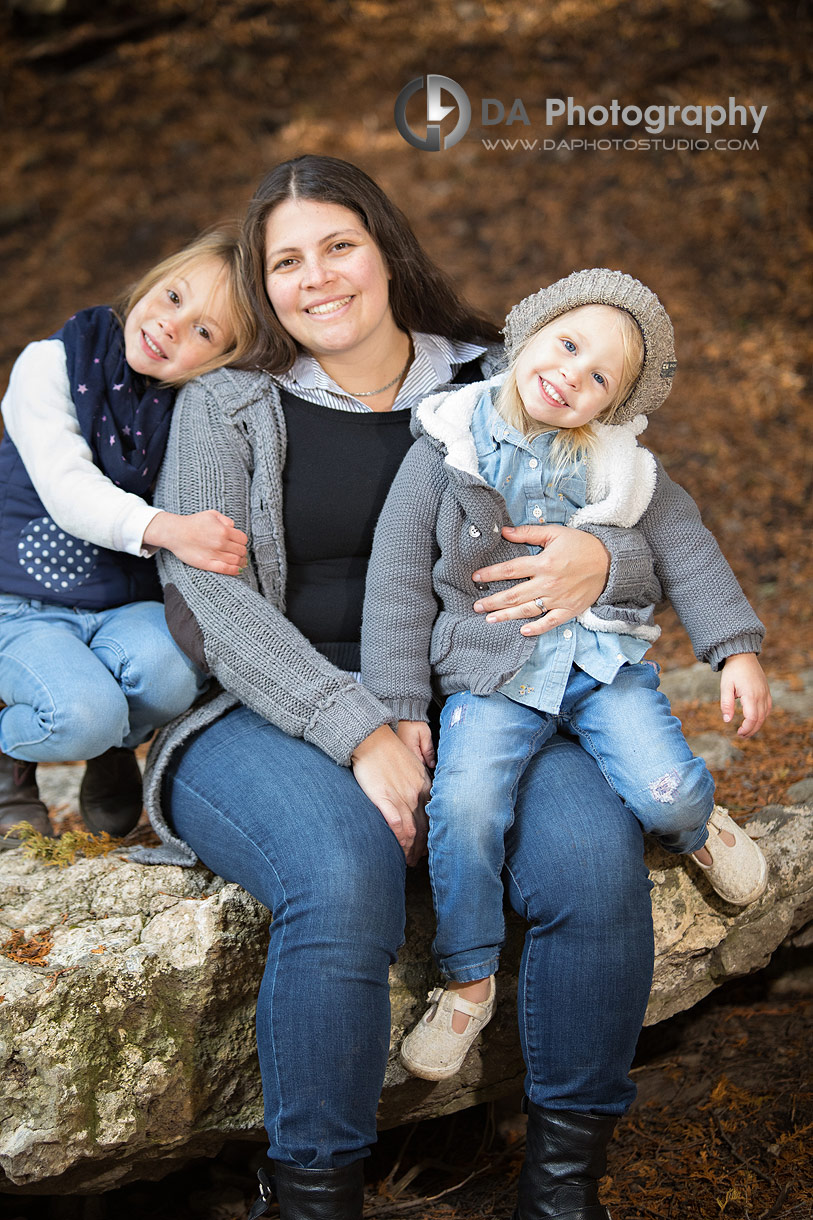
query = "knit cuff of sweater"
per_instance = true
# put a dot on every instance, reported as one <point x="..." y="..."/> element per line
<point x="749" y="641"/>
<point x="344" y="720"/>
<point x="407" y="709"/>
<point x="631" y="565"/>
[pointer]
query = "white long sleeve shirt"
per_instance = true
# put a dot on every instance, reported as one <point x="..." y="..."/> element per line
<point x="40" y="418"/>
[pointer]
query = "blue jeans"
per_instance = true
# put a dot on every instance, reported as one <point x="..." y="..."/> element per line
<point x="274" y="814"/>
<point x="77" y="682"/>
<point x="486" y="745"/>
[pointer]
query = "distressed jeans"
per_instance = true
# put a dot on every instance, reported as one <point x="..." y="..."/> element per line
<point x="276" y="815"/>
<point x="486" y="744"/>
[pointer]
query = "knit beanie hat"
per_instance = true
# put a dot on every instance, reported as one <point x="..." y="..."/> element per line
<point x="599" y="286"/>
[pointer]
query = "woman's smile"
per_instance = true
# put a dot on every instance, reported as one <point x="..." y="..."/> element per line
<point x="327" y="280"/>
<point x="327" y="308"/>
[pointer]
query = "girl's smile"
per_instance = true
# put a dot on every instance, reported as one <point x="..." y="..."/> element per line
<point x="570" y="370"/>
<point x="551" y="394"/>
<point x="179" y="325"/>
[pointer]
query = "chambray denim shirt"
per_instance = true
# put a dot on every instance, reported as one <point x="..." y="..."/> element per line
<point x="522" y="471"/>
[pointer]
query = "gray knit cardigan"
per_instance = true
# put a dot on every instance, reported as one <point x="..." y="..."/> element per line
<point x="442" y="521"/>
<point x="226" y="450"/>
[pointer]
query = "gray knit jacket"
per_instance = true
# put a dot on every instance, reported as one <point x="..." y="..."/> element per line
<point x="441" y="522"/>
<point x="226" y="450"/>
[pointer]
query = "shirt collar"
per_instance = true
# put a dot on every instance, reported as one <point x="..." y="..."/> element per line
<point x="443" y="356"/>
<point x="436" y="361"/>
<point x="500" y="430"/>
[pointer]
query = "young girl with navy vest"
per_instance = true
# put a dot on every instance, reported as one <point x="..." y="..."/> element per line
<point x="554" y="439"/>
<point x="88" y="668"/>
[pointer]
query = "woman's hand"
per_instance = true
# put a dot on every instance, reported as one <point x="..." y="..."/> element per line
<point x="569" y="575"/>
<point x="208" y="540"/>
<point x="743" y="678"/>
<point x="397" y="784"/>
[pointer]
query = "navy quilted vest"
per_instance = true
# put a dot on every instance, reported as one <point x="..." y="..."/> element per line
<point x="41" y="562"/>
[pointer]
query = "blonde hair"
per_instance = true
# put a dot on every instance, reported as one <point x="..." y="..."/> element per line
<point x="225" y="246"/>
<point x="572" y="444"/>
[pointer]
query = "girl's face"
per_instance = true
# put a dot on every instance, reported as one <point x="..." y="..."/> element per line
<point x="180" y="324"/>
<point x="326" y="279"/>
<point x="570" y="370"/>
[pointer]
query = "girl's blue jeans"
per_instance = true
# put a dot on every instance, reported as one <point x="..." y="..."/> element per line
<point x="486" y="744"/>
<point x="77" y="682"/>
<point x="274" y="814"/>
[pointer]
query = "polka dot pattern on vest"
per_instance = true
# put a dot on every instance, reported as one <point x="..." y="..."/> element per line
<point x="55" y="559"/>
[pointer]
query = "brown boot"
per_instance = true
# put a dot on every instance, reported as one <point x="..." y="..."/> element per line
<point x="110" y="797"/>
<point x="20" y="800"/>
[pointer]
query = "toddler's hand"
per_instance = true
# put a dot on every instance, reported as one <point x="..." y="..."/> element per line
<point x="742" y="678"/>
<point x="417" y="737"/>
<point x="208" y="540"/>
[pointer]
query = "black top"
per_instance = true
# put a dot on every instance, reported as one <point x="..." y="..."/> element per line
<point x="338" y="469"/>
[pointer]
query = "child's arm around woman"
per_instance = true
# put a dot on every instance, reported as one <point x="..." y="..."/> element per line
<point x="89" y="409"/>
<point x="40" y="418"/>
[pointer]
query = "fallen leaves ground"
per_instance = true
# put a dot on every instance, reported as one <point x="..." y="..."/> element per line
<point x="764" y="767"/>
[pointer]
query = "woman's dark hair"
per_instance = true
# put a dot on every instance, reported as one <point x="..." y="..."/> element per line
<point x="422" y="298"/>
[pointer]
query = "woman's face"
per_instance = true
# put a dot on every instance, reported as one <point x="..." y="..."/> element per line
<point x="326" y="278"/>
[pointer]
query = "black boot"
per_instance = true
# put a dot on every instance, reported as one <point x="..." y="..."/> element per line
<point x="312" y="1194"/>
<point x="20" y="800"/>
<point x="565" y="1155"/>
<point x="110" y="797"/>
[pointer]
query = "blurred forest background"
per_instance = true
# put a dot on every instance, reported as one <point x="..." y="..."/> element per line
<point x="128" y="126"/>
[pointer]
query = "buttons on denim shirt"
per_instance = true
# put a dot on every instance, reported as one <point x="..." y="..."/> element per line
<point x="537" y="512"/>
<point x="567" y="633"/>
<point x="533" y="463"/>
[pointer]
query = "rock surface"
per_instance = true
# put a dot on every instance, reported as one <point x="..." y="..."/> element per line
<point x="133" y="1048"/>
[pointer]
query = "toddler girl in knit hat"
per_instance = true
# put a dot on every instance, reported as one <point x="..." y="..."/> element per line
<point x="551" y="441"/>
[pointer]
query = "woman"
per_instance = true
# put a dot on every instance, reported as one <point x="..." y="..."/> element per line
<point x="359" y="327"/>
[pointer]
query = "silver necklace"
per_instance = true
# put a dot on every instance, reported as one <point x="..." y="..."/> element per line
<point x="388" y="386"/>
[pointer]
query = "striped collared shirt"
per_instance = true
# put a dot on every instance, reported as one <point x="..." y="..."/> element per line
<point x="436" y="362"/>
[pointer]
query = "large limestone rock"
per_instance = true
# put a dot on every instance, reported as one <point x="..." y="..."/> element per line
<point x="131" y="1047"/>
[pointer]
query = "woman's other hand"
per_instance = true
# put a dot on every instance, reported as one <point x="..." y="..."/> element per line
<point x="569" y="575"/>
<point x="396" y="782"/>
<point x="208" y="540"/>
